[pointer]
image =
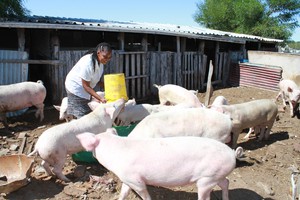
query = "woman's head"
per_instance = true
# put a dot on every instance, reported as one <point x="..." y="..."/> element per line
<point x="103" y="51"/>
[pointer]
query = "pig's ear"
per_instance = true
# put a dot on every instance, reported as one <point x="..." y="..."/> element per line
<point x="93" y="105"/>
<point x="110" y="111"/>
<point x="290" y="89"/>
<point x="56" y="107"/>
<point x="88" y="140"/>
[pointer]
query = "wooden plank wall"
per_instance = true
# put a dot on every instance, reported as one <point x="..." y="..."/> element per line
<point x="141" y="69"/>
<point x="58" y="73"/>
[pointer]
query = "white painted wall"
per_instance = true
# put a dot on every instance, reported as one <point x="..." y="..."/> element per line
<point x="290" y="63"/>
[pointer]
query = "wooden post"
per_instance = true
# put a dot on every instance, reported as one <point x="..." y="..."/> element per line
<point x="121" y="41"/>
<point x="145" y="42"/>
<point x="201" y="47"/>
<point x="21" y="39"/>
<point x="178" y="44"/>
<point x="209" y="88"/>
<point x="183" y="45"/>
<point x="216" y="63"/>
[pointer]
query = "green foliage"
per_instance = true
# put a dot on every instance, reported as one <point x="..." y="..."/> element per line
<point x="266" y="18"/>
<point x="294" y="45"/>
<point x="12" y="9"/>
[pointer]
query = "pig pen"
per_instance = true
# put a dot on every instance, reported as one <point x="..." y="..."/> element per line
<point x="265" y="173"/>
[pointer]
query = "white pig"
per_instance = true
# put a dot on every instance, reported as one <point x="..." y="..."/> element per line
<point x="176" y="95"/>
<point x="62" y="108"/>
<point x="257" y="113"/>
<point x="221" y="100"/>
<point x="290" y="92"/>
<point x="185" y="122"/>
<point x="22" y="95"/>
<point x="94" y="104"/>
<point x="164" y="162"/>
<point x="135" y="113"/>
<point x="56" y="142"/>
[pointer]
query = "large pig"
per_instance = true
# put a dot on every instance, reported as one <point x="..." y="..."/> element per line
<point x="176" y="95"/>
<point x="164" y="162"/>
<point x="221" y="100"/>
<point x="62" y="108"/>
<point x="136" y="113"/>
<point x="257" y="113"/>
<point x="290" y="92"/>
<point x="55" y="143"/>
<point x="185" y="122"/>
<point x="22" y="95"/>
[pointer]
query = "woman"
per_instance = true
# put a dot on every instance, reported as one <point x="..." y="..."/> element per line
<point x="83" y="77"/>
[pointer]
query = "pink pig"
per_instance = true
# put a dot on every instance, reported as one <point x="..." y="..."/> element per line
<point x="17" y="96"/>
<point x="290" y="92"/>
<point x="176" y="95"/>
<point x="164" y="162"/>
<point x="57" y="142"/>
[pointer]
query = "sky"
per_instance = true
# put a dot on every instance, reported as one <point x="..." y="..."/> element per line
<point x="177" y="12"/>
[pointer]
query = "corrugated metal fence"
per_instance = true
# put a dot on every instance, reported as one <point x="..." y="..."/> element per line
<point x="255" y="75"/>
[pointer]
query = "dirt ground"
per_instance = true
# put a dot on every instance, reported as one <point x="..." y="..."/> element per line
<point x="265" y="173"/>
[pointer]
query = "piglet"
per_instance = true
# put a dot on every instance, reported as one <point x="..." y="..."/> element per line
<point x="22" y="95"/>
<point x="163" y="162"/>
<point x="170" y="94"/>
<point x="290" y="92"/>
<point x="56" y="142"/>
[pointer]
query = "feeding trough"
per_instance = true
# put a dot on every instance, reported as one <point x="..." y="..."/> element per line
<point x="15" y="171"/>
<point x="85" y="156"/>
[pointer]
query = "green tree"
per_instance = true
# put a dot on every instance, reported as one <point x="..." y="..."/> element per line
<point x="266" y="18"/>
<point x="12" y="9"/>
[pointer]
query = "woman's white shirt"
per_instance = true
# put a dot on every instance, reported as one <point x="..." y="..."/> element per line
<point x="83" y="69"/>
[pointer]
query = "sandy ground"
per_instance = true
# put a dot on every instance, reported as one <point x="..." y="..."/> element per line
<point x="265" y="173"/>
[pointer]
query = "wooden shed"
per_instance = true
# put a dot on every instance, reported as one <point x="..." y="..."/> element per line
<point x="46" y="48"/>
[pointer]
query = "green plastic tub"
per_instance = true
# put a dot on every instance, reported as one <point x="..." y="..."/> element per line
<point x="87" y="157"/>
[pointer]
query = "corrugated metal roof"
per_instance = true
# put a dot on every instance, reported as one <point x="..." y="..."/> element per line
<point x="150" y="28"/>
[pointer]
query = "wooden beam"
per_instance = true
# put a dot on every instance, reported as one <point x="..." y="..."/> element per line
<point x="41" y="62"/>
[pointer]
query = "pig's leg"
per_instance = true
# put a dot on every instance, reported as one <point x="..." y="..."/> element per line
<point x="124" y="191"/>
<point x="141" y="189"/>
<point x="262" y="133"/>
<point x="4" y="120"/>
<point x="204" y="186"/>
<point x="224" y="184"/>
<point x="269" y="127"/>
<point x="40" y="111"/>
<point x="291" y="109"/>
<point x="58" y="168"/>
<point x="249" y="133"/>
<point x="47" y="168"/>
<point x="235" y="136"/>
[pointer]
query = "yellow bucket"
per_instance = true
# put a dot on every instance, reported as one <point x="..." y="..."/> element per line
<point x="115" y="87"/>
